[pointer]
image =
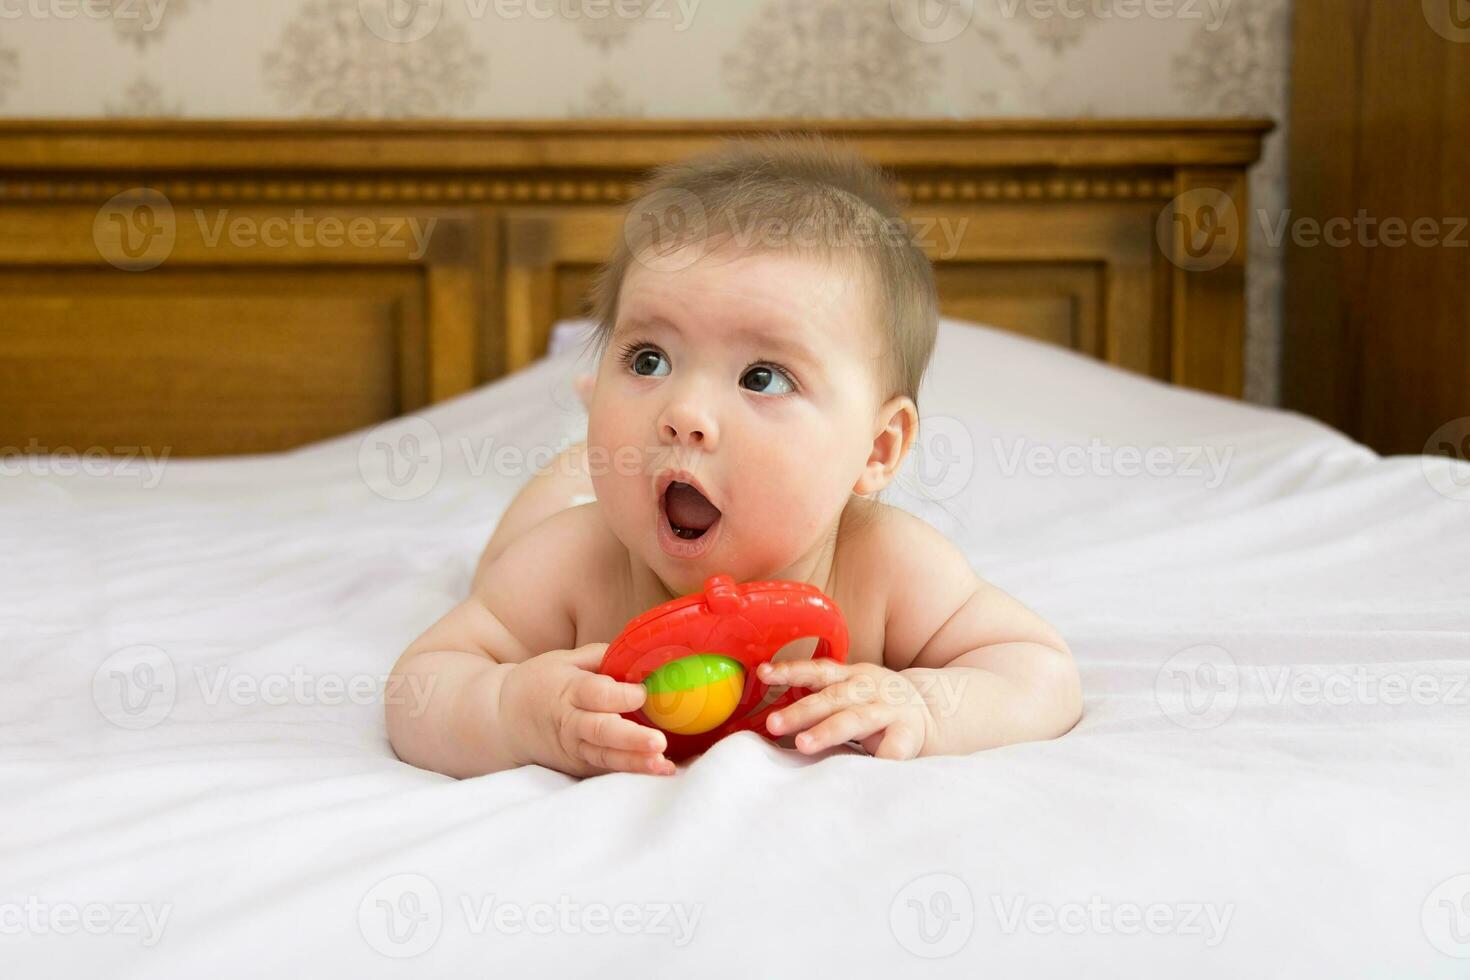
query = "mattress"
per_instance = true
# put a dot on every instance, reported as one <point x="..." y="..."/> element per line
<point x="1270" y="777"/>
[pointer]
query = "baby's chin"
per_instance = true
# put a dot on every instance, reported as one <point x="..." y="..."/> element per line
<point x="685" y="577"/>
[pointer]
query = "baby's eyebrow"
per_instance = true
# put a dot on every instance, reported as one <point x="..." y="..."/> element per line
<point x="776" y="342"/>
<point x="633" y="324"/>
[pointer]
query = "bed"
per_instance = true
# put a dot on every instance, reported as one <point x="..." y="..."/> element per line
<point x="1270" y="620"/>
<point x="1269" y="778"/>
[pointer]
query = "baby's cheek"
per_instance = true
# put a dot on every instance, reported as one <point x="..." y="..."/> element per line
<point x="793" y="501"/>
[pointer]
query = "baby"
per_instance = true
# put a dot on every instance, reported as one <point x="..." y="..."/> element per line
<point x="763" y="326"/>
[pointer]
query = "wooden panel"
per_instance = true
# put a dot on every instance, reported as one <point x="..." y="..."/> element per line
<point x="1050" y="232"/>
<point x="326" y="146"/>
<point x="246" y="327"/>
<point x="1209" y="256"/>
<point x="574" y="290"/>
<point x="1059" y="304"/>
<point x="1377" y="339"/>
<point x="203" y="363"/>
<point x="1103" y="252"/>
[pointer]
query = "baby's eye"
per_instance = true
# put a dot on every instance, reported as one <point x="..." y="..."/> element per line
<point x="767" y="380"/>
<point x="650" y="363"/>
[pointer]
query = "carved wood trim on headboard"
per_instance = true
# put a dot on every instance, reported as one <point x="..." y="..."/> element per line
<point x="1067" y="234"/>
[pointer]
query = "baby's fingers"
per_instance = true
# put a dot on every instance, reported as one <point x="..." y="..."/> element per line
<point x="812" y="674"/>
<point x="598" y="692"/>
<point x="845" y="726"/>
<point x="814" y="707"/>
<point x="621" y="760"/>
<point x="898" y="742"/>
<point x="616" y="732"/>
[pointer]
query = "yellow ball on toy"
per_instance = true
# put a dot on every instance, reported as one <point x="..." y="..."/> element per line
<point x="694" y="694"/>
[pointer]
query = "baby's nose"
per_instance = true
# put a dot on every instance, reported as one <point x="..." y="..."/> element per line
<point x="692" y="436"/>
<point x="688" y="425"/>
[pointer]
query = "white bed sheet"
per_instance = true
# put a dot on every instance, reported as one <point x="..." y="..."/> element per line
<point x="1269" y="831"/>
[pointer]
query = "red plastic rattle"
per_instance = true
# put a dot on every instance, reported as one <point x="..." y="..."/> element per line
<point x="698" y="654"/>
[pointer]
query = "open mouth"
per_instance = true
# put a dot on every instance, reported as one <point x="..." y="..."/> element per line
<point x="689" y="513"/>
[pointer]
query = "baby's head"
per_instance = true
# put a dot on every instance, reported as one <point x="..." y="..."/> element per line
<point x="763" y="327"/>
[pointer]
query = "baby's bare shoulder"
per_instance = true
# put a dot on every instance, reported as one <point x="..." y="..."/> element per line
<point x="897" y="544"/>
<point x="544" y="576"/>
<point x="902" y="564"/>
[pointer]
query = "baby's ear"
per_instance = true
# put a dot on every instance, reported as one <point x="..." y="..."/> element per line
<point x="897" y="423"/>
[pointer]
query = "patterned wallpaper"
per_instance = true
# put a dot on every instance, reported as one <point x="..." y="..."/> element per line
<point x="688" y="58"/>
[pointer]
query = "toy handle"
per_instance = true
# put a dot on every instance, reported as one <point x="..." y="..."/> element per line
<point x="757" y="722"/>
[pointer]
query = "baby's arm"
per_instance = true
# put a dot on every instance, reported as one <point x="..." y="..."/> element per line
<point x="975" y="668"/>
<point x="993" y="671"/>
<point x="494" y="685"/>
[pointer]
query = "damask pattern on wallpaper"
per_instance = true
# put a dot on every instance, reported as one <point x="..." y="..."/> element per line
<point x="694" y="58"/>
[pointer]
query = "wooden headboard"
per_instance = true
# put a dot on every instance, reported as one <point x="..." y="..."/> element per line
<point x="231" y="287"/>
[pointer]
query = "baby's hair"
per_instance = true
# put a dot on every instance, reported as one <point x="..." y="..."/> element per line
<point x="789" y="193"/>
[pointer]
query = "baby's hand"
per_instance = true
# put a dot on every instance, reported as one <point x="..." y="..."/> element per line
<point x="878" y="707"/>
<point x="559" y="712"/>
